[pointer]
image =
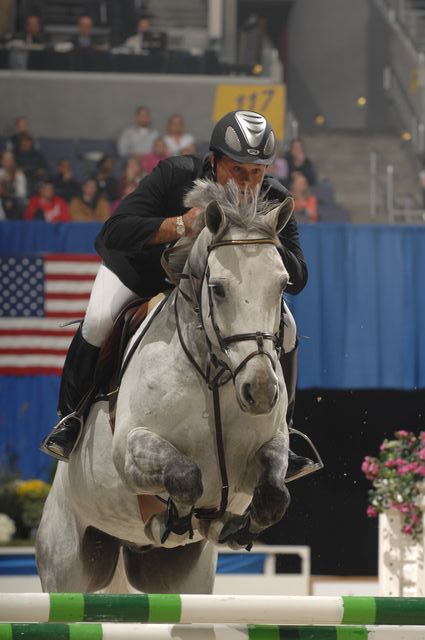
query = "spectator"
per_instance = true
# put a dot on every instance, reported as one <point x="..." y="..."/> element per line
<point x="298" y="161"/>
<point x="140" y="138"/>
<point x="33" y="31"/>
<point x="84" y="38"/>
<point x="31" y="160"/>
<point x="128" y="189"/>
<point x="14" y="177"/>
<point x="132" y="175"/>
<point x="106" y="181"/>
<point x="305" y="208"/>
<point x="21" y="126"/>
<point x="176" y="138"/>
<point x="137" y="43"/>
<point x="10" y="208"/>
<point x="65" y="185"/>
<point x="91" y="206"/>
<point x="159" y="152"/>
<point x="46" y="205"/>
<point x="6" y="18"/>
<point x="279" y="169"/>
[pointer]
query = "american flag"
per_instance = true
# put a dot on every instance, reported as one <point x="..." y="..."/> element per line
<point x="38" y="294"/>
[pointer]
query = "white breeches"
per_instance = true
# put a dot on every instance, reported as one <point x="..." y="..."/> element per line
<point x="109" y="295"/>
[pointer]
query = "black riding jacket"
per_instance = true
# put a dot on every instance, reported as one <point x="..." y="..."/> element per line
<point x="122" y="242"/>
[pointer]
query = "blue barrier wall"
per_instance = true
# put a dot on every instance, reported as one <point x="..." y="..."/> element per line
<point x="359" y="319"/>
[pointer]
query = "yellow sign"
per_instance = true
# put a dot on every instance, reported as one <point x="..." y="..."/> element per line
<point x="267" y="99"/>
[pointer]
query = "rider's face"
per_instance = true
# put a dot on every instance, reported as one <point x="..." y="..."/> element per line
<point x="246" y="175"/>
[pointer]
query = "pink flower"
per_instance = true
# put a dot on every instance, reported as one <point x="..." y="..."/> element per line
<point x="405" y="507"/>
<point x="421" y="470"/>
<point x="422" y="437"/>
<point x="408" y="529"/>
<point x="415" y="518"/>
<point x="390" y="464"/>
<point x="371" y="512"/>
<point x="402" y="434"/>
<point x="422" y="454"/>
<point x="383" y="445"/>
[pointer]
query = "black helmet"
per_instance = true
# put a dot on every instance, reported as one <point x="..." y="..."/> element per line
<point x="244" y="136"/>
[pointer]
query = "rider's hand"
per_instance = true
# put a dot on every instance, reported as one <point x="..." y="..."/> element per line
<point x="192" y="230"/>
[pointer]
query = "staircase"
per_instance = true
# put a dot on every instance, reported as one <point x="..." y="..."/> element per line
<point x="343" y="158"/>
<point x="184" y="13"/>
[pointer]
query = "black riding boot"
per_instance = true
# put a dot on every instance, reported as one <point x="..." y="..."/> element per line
<point x="76" y="382"/>
<point x="298" y="466"/>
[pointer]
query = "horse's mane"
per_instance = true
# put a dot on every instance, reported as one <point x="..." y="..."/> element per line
<point x="243" y="213"/>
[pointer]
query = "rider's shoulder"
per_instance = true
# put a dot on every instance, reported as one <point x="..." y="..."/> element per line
<point x="273" y="189"/>
<point x="180" y="165"/>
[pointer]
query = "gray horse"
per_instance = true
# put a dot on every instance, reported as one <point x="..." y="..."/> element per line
<point x="200" y="422"/>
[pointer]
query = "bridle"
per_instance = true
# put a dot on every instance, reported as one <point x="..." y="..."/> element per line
<point x="216" y="368"/>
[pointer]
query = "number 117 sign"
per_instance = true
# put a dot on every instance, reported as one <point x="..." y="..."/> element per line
<point x="267" y="99"/>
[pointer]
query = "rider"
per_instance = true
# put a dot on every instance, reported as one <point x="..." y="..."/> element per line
<point x="131" y="244"/>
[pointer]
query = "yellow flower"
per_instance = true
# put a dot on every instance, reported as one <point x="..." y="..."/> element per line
<point x="33" y="488"/>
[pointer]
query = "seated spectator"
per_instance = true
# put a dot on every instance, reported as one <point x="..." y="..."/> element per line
<point x="129" y="189"/>
<point x="137" y="43"/>
<point x="46" y="205"/>
<point x="21" y="126"/>
<point x="31" y="160"/>
<point x="13" y="176"/>
<point x="298" y="161"/>
<point x="305" y="208"/>
<point x="106" y="181"/>
<point x="140" y="138"/>
<point x="91" y="206"/>
<point x="159" y="152"/>
<point x="176" y="138"/>
<point x="33" y="31"/>
<point x="65" y="185"/>
<point x="132" y="175"/>
<point x="279" y="169"/>
<point x="84" y="38"/>
<point x="10" y="208"/>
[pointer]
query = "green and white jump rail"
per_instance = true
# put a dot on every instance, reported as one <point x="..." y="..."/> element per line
<point x="211" y="609"/>
<point x="126" y="631"/>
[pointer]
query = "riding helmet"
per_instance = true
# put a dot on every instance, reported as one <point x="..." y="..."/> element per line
<point x="244" y="136"/>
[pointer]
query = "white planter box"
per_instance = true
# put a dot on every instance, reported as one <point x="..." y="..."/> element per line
<point x="401" y="561"/>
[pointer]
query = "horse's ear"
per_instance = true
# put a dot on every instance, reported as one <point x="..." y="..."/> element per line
<point x="279" y="216"/>
<point x="214" y="217"/>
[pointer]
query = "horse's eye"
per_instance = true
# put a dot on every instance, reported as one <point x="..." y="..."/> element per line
<point x="218" y="289"/>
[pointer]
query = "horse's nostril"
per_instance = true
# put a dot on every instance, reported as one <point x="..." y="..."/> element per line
<point x="246" y="390"/>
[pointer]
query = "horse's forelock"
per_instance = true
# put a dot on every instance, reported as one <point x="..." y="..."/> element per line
<point x="247" y="213"/>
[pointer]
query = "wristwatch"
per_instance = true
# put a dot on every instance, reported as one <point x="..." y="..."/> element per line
<point x="180" y="228"/>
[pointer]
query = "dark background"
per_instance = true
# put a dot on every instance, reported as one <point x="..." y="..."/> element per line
<point x="328" y="508"/>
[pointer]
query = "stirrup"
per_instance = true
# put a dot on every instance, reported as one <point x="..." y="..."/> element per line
<point x="307" y="470"/>
<point x="55" y="453"/>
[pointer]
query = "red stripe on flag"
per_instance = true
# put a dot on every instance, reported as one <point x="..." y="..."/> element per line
<point x="33" y="352"/>
<point x="30" y="371"/>
<point x="74" y="315"/>
<point x="67" y="296"/>
<point x="74" y="276"/>
<point x="72" y="257"/>
<point x="39" y="332"/>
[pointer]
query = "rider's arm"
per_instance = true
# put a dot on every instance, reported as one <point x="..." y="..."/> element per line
<point x="293" y="257"/>
<point x="141" y="217"/>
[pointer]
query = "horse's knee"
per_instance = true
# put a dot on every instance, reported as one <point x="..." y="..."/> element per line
<point x="183" y="480"/>
<point x="269" y="504"/>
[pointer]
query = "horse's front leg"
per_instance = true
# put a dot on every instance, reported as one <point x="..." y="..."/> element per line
<point x="270" y="499"/>
<point x="152" y="465"/>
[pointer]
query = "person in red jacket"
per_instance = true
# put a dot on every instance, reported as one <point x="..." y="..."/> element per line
<point x="47" y="206"/>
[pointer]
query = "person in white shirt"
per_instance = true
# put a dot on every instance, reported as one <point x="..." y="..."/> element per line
<point x="140" y="138"/>
<point x="176" y="138"/>
<point x="136" y="43"/>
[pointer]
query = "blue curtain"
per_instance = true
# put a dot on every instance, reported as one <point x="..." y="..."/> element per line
<point x="359" y="320"/>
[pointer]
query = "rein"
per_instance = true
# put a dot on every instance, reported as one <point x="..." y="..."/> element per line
<point x="215" y="382"/>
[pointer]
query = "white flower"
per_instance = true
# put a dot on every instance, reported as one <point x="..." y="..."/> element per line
<point x="7" y="528"/>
